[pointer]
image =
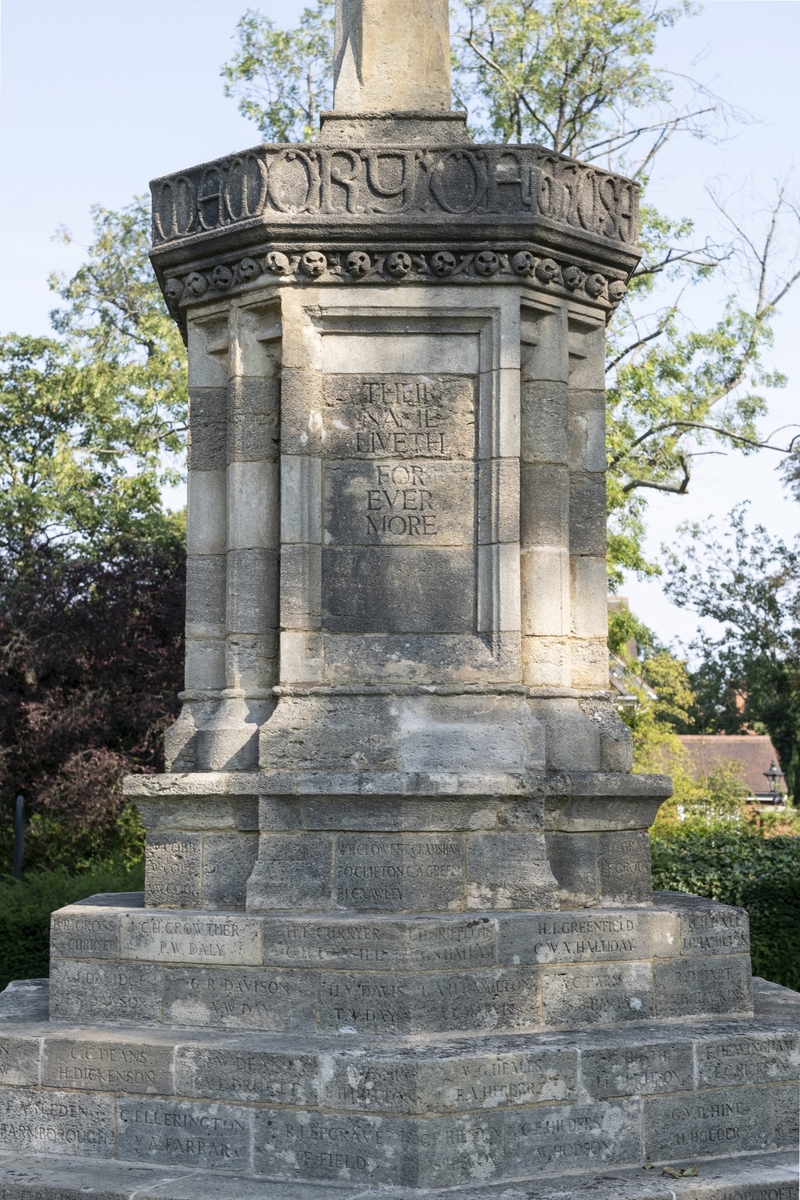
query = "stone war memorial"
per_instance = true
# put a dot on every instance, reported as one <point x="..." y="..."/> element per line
<point x="398" y="935"/>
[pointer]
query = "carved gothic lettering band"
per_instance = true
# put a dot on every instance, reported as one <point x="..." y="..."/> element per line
<point x="503" y="183"/>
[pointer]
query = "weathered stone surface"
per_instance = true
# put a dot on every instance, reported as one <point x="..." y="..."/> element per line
<point x="173" y="874"/>
<point x="430" y="1153"/>
<point x="248" y="1070"/>
<point x="508" y="871"/>
<point x="184" y="1135"/>
<point x="750" y="1057"/>
<point x="708" y="1123"/>
<point x="294" y="871"/>
<point x="712" y="929"/>
<point x="19" y="1060"/>
<point x="430" y="1003"/>
<point x="599" y="936"/>
<point x="240" y="998"/>
<point x="108" y="1063"/>
<point x="755" y="1177"/>
<point x="103" y="991"/>
<point x="637" y="1069"/>
<point x="693" y="986"/>
<point x="191" y="938"/>
<point x="454" y="1082"/>
<point x="39" y="1122"/>
<point x="786" y="1114"/>
<point x="571" y="1137"/>
<point x="597" y="994"/>
<point x="405" y="871"/>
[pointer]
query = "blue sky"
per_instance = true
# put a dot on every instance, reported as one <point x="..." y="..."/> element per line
<point x="100" y="96"/>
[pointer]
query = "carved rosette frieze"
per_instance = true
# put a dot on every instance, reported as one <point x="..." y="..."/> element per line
<point x="387" y="265"/>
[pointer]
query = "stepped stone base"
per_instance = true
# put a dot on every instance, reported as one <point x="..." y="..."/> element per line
<point x="337" y="973"/>
<point x="174" y="1112"/>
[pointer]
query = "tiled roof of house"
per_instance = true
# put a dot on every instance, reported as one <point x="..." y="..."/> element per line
<point x="754" y="751"/>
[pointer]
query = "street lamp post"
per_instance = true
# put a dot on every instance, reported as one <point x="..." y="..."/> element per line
<point x="773" y="777"/>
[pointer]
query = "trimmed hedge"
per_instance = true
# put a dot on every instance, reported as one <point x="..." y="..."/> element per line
<point x="25" y="910"/>
<point x="736" y="864"/>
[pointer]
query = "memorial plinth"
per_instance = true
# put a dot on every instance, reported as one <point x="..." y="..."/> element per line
<point x="398" y="935"/>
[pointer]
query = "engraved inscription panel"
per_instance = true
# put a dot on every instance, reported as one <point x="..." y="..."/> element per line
<point x="192" y="937"/>
<point x="241" y="998"/>
<point x="572" y="1136"/>
<point x="716" y="1122"/>
<point x="106" y="1064"/>
<point x="414" y="871"/>
<point x="399" y="503"/>
<point x="348" y="943"/>
<point x="50" y="1122"/>
<point x="191" y="1135"/>
<point x="90" y="933"/>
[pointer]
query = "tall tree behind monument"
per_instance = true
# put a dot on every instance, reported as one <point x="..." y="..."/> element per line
<point x="581" y="79"/>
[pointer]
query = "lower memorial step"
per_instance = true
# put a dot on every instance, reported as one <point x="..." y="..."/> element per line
<point x="413" y="1113"/>
<point x="745" y="1177"/>
<point x="381" y="974"/>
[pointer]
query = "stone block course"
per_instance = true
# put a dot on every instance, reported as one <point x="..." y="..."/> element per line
<point x="414" y="974"/>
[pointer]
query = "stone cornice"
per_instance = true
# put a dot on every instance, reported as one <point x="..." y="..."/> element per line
<point x="318" y="191"/>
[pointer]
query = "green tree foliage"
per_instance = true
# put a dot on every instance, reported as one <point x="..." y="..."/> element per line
<point x="92" y="425"/>
<point x="578" y="76"/>
<point x="574" y="75"/>
<point x="25" y="909"/>
<point x="92" y="422"/>
<point x="282" y="78"/>
<point x="734" y="863"/>
<point x="749" y="675"/>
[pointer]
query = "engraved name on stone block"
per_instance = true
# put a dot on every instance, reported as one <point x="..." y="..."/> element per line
<point x="394" y="1150"/>
<point x="114" y="1066"/>
<point x="754" y="1058"/>
<point x="242" y="998"/>
<point x="172" y="876"/>
<point x="714" y="1123"/>
<point x="430" y="1003"/>
<point x="390" y="1086"/>
<point x="87" y="934"/>
<point x="715" y="931"/>
<point x="405" y="871"/>
<point x="399" y="521"/>
<point x="500" y="1080"/>
<point x="700" y="986"/>
<point x="637" y="1069"/>
<point x="214" y="1135"/>
<point x="571" y="1136"/>
<point x="191" y="937"/>
<point x="242" y="1072"/>
<point x="105" y="990"/>
<point x="606" y="936"/>
<point x="599" y="994"/>
<point x="350" y="944"/>
<point x="57" y="1123"/>
<point x="319" y="1147"/>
